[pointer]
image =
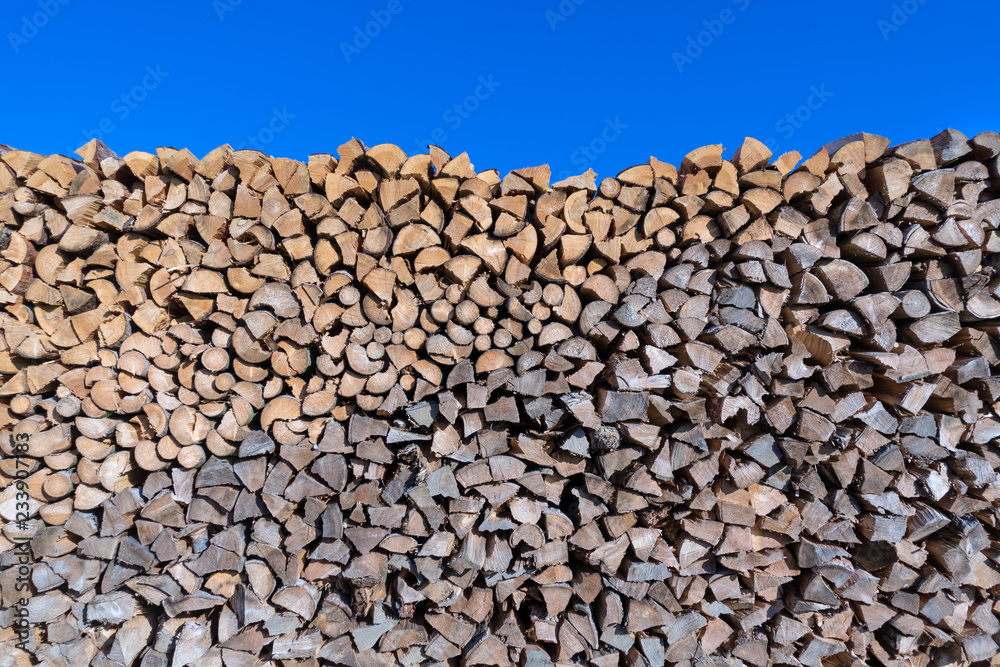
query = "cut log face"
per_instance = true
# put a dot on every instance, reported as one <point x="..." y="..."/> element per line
<point x="372" y="409"/>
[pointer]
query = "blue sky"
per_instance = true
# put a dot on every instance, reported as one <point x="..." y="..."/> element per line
<point x="575" y="84"/>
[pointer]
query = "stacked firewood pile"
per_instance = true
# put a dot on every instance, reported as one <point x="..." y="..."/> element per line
<point x="372" y="409"/>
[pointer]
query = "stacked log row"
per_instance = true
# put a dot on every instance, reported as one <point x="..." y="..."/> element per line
<point x="372" y="409"/>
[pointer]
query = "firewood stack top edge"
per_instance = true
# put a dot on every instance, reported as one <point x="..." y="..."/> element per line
<point x="375" y="409"/>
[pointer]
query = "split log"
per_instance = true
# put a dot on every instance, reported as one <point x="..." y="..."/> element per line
<point x="379" y="409"/>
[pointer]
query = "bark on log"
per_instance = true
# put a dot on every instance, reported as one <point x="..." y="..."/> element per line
<point x="374" y="409"/>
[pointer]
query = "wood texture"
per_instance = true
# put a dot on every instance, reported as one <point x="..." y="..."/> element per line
<point x="372" y="409"/>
